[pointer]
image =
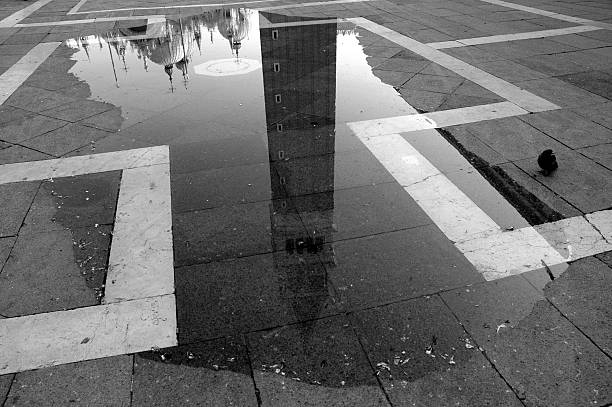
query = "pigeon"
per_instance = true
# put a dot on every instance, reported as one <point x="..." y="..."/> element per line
<point x="547" y="162"/>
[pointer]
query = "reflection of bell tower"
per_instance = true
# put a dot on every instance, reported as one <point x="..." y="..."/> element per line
<point x="299" y="69"/>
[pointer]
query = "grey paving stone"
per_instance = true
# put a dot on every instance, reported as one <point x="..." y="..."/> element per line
<point x="5" y="384"/>
<point x="15" y="201"/>
<point x="312" y="364"/>
<point x="597" y="82"/>
<point x="569" y="128"/>
<point x="599" y="113"/>
<point x="435" y="69"/>
<point x="579" y="180"/>
<point x="543" y="193"/>
<point x="221" y="233"/>
<point x="422" y="99"/>
<point x="220" y="187"/>
<point x="467" y="140"/>
<point x="27" y="127"/>
<point x="51" y="81"/>
<point x="580" y="41"/>
<point x="10" y="113"/>
<point x="473" y="55"/>
<point x="66" y="139"/>
<point x="77" y="111"/>
<point x="251" y="293"/>
<point x="469" y="88"/>
<point x="359" y="212"/>
<point x="606" y="258"/>
<point x="544" y="46"/>
<point x="511" y="71"/>
<point x="6" y="244"/>
<point x="601" y="154"/>
<point x="398" y="265"/>
<point x="200" y="156"/>
<point x="101" y="382"/>
<point x="213" y="373"/>
<point x="18" y="153"/>
<point x="43" y="275"/>
<point x="545" y="359"/>
<point x="36" y="99"/>
<point x="514" y="139"/>
<point x="381" y="52"/>
<point x="393" y="78"/>
<point x="583" y="295"/>
<point x="74" y="202"/>
<point x="18" y="39"/>
<point x="398" y="338"/>
<point x="433" y="83"/>
<point x="402" y="65"/>
<point x="456" y="101"/>
<point x="551" y="65"/>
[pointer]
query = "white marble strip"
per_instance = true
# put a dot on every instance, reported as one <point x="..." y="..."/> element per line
<point x="512" y="37"/>
<point x="55" y="338"/>
<point x="452" y="211"/>
<point x="510" y="92"/>
<point x="16" y="17"/>
<point x="433" y="120"/>
<point x="502" y="254"/>
<point x="17" y="74"/>
<point x="86" y="164"/>
<point x="77" y="7"/>
<point x="551" y="14"/>
<point x="141" y="258"/>
<point x="506" y="253"/>
<point x="578" y="237"/>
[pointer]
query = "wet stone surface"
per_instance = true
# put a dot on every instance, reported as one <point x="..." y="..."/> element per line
<point x="304" y="273"/>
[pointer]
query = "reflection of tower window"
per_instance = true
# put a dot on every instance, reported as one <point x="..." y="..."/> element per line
<point x="283" y="181"/>
<point x="277" y="98"/>
<point x="276" y="67"/>
<point x="279" y="127"/>
<point x="275" y="34"/>
<point x="281" y="155"/>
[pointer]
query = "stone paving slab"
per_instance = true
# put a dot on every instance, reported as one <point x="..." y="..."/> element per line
<point x="98" y="382"/>
<point x="565" y="368"/>
<point x="216" y="372"/>
<point x="314" y="363"/>
<point x="425" y="363"/>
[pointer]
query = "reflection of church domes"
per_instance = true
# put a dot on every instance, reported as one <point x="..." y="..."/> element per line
<point x="233" y="25"/>
<point x="172" y="48"/>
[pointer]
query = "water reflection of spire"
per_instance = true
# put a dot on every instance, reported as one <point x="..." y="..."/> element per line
<point x="169" y="43"/>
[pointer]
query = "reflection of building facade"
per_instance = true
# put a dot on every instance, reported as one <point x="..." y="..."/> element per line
<point x="171" y="43"/>
<point x="299" y="70"/>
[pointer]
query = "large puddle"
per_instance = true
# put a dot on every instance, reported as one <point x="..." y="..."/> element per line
<point x="288" y="83"/>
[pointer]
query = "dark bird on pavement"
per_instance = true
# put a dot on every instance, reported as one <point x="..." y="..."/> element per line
<point x="547" y="162"/>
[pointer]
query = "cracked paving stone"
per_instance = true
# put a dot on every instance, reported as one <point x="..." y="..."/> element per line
<point x="545" y="358"/>
<point x="313" y="363"/>
<point x="583" y="294"/>
<point x="424" y="357"/>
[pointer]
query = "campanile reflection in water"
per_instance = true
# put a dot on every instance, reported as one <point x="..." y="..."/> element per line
<point x="299" y="70"/>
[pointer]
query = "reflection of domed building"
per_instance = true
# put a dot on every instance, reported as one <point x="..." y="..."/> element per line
<point x="171" y="43"/>
<point x="233" y="25"/>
